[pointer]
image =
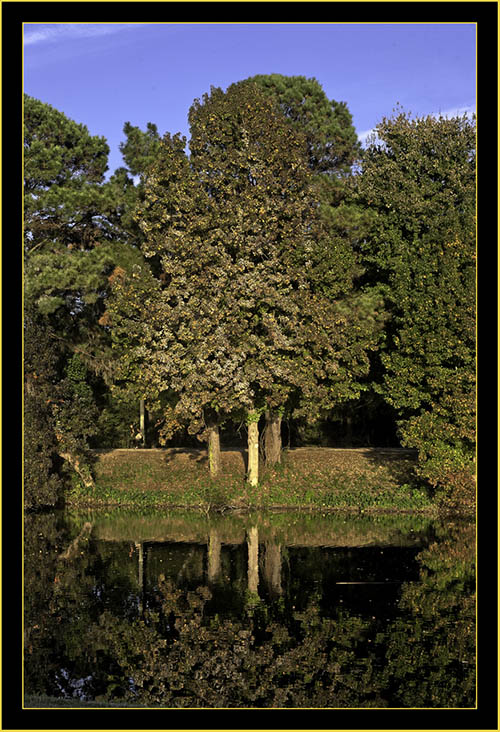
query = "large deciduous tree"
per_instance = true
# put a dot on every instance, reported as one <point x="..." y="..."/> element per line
<point x="419" y="181"/>
<point x="250" y="312"/>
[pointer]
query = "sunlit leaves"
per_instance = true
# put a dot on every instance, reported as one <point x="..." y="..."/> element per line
<point x="250" y="308"/>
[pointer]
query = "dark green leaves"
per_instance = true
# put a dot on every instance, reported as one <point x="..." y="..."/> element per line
<point x="419" y="182"/>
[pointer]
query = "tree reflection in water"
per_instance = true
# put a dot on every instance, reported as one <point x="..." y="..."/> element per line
<point x="258" y="621"/>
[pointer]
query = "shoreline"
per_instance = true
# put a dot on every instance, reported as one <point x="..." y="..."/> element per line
<point x="308" y="479"/>
<point x="223" y="509"/>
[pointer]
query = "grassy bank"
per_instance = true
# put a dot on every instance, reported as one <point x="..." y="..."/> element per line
<point x="308" y="478"/>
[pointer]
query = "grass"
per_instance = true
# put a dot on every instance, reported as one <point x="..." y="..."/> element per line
<point x="359" y="480"/>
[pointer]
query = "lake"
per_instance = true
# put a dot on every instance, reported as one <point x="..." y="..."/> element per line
<point x="289" y="610"/>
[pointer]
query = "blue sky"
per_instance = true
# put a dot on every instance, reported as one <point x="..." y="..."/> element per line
<point x="103" y="75"/>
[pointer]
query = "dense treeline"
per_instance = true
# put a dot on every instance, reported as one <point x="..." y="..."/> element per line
<point x="276" y="277"/>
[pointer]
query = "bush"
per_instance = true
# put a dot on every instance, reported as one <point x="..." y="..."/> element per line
<point x="445" y="459"/>
<point x="42" y="485"/>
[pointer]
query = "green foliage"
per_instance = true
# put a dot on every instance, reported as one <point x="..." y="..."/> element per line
<point x="63" y="218"/>
<point x="59" y="413"/>
<point x="332" y="148"/>
<point x="332" y="143"/>
<point x="140" y="148"/>
<point x="75" y="412"/>
<point x="72" y="226"/>
<point x="42" y="485"/>
<point x="63" y="167"/>
<point x="254" y="305"/>
<point x="117" y="423"/>
<point x="419" y="182"/>
<point x="431" y="663"/>
<point x="73" y="223"/>
<point x="139" y="152"/>
<point x="446" y="458"/>
<point x="76" y="232"/>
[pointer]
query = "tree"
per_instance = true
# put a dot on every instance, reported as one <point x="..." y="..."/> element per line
<point x="333" y="149"/>
<point x="418" y="180"/>
<point x="263" y="199"/>
<point x="249" y="313"/>
<point x="140" y="148"/>
<point x="73" y="238"/>
<point x="139" y="151"/>
<point x="42" y="484"/>
<point x="331" y="140"/>
<point x="71" y="223"/>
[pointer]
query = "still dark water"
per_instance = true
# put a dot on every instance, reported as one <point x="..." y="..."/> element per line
<point x="255" y="610"/>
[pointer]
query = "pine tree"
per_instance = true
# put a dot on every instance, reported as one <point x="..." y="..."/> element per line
<point x="71" y="226"/>
<point x="331" y="140"/>
<point x="72" y="241"/>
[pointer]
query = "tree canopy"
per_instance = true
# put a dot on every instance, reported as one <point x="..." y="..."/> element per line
<point x="253" y="311"/>
<point x="332" y="143"/>
<point x="273" y="268"/>
<point x="419" y="182"/>
<point x="73" y="238"/>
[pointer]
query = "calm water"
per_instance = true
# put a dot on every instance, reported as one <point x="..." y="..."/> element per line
<point x="259" y="610"/>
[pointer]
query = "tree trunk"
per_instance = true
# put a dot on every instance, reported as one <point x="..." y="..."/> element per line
<point x="75" y="547"/>
<point x="214" y="547"/>
<point x="253" y="559"/>
<point x="272" y="438"/>
<point x="142" y="421"/>
<point x="214" y="458"/>
<point x="82" y="470"/>
<point x="271" y="568"/>
<point x="253" y="448"/>
<point x="142" y="585"/>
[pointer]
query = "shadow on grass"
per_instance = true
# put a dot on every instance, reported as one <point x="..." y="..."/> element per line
<point x="190" y="454"/>
<point x="232" y="458"/>
<point x="398" y="463"/>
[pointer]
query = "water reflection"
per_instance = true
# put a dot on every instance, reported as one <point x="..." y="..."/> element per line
<point x="279" y="610"/>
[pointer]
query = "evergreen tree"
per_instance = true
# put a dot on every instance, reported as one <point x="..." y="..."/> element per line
<point x="126" y="400"/>
<point x="73" y="238"/>
<point x="140" y="149"/>
<point x="331" y="140"/>
<point x="419" y="182"/>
